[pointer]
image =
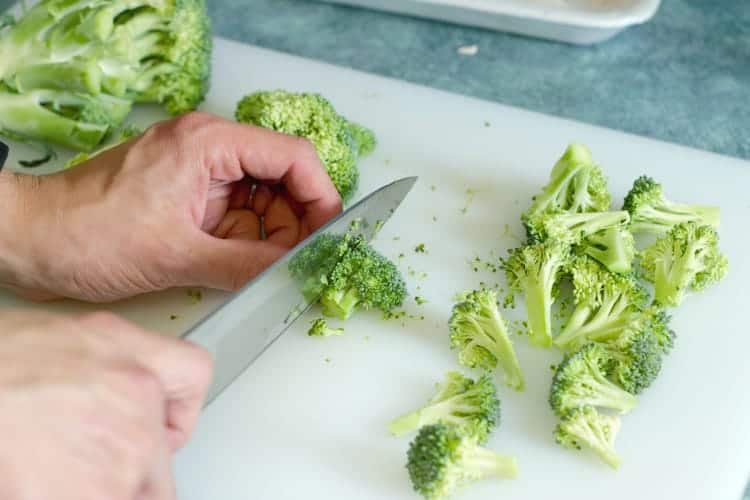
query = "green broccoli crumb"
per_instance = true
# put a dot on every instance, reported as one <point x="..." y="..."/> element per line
<point x="420" y="248"/>
<point x="420" y="300"/>
<point x="195" y="294"/>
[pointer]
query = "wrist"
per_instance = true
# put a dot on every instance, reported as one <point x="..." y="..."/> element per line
<point x="16" y="192"/>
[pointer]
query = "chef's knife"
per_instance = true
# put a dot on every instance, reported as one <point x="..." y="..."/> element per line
<point x="242" y="328"/>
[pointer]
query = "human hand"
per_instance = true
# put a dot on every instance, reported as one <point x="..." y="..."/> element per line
<point x="180" y="205"/>
<point x="93" y="407"/>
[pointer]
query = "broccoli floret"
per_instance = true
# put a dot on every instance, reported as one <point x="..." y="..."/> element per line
<point x="339" y="143"/>
<point x="581" y="380"/>
<point x="572" y="228"/>
<point x="585" y="426"/>
<point x="534" y="270"/>
<point x="345" y="274"/>
<point x="319" y="328"/>
<point x="635" y="358"/>
<point x="606" y="304"/>
<point x="686" y="258"/>
<point x="576" y="185"/>
<point x="442" y="459"/>
<point x="614" y="248"/>
<point x="473" y="406"/>
<point x="87" y="62"/>
<point x="479" y="332"/>
<point x="651" y="212"/>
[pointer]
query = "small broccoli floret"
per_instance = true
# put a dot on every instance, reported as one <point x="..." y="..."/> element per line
<point x="576" y="185"/>
<point x="472" y="406"/>
<point x="572" y="228"/>
<point x="581" y="380"/>
<point x="319" y="328"/>
<point x="479" y="332"/>
<point x="534" y="270"/>
<point x="635" y="358"/>
<point x="614" y="248"/>
<point x="606" y="304"/>
<point x="587" y="427"/>
<point x="442" y="459"/>
<point x="651" y="212"/>
<point x="345" y="273"/>
<point x="339" y="143"/>
<point x="686" y="258"/>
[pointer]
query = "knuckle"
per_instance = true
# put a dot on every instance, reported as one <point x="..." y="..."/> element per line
<point x="139" y="384"/>
<point x="190" y="123"/>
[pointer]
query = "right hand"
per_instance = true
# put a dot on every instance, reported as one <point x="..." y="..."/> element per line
<point x="92" y="407"/>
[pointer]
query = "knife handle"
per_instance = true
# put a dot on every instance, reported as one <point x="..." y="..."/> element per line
<point x="3" y="154"/>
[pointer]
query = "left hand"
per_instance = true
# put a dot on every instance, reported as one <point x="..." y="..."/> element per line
<point x="172" y="207"/>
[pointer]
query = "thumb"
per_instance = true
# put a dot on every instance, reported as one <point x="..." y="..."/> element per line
<point x="228" y="264"/>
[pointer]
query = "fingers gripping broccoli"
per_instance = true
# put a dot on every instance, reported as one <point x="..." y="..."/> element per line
<point x="587" y="427"/>
<point x="339" y="143"/>
<point x="686" y="258"/>
<point x="651" y="212"/>
<point x="479" y="332"/>
<point x="441" y="459"/>
<point x="472" y="406"/>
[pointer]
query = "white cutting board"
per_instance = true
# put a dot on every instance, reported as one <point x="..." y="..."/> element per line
<point x="296" y="426"/>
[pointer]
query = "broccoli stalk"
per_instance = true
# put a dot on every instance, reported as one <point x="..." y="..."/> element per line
<point x="479" y="332"/>
<point x="652" y="212"/>
<point x="580" y="380"/>
<point x="572" y="228"/>
<point x="613" y="247"/>
<point x="586" y="426"/>
<point x="534" y="271"/>
<point x="442" y="459"/>
<point x="686" y="258"/>
<point x="473" y="406"/>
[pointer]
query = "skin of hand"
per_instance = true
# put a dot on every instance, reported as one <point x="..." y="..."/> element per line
<point x="93" y="407"/>
<point x="181" y="205"/>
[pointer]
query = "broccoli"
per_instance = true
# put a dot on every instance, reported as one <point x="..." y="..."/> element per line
<point x="651" y="212"/>
<point x="479" y="332"/>
<point x="586" y="426"/>
<point x="613" y="247"/>
<point x="576" y="185"/>
<point x="686" y="258"/>
<point x="71" y="69"/>
<point x="534" y="271"/>
<point x="345" y="273"/>
<point x="581" y="380"/>
<point x="635" y="358"/>
<point x="126" y="134"/>
<point x="442" y="459"/>
<point x="571" y="228"/>
<point x="473" y="406"/>
<point x="319" y="328"/>
<point x="339" y="143"/>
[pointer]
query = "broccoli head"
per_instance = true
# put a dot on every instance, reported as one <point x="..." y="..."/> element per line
<point x="581" y="380"/>
<point x="534" y="271"/>
<point x="686" y="258"/>
<point x="442" y="459"/>
<point x="319" y="328"/>
<point x="651" y="212"/>
<point x="472" y="406"/>
<point x="635" y="358"/>
<point x="339" y="143"/>
<point x="479" y="332"/>
<point x="587" y="427"/>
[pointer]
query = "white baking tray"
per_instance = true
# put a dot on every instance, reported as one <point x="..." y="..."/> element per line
<point x="574" y="21"/>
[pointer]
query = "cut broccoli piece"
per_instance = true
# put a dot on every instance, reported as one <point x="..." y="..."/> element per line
<point x="651" y="212"/>
<point x="534" y="270"/>
<point x="126" y="134"/>
<point x="473" y="406"/>
<point x="576" y="185"/>
<point x="686" y="258"/>
<point x="581" y="380"/>
<point x="339" y="143"/>
<point x="479" y="332"/>
<point x="71" y="69"/>
<point x="572" y="228"/>
<point x="613" y="247"/>
<point x="441" y="459"/>
<point x="345" y="274"/>
<point x="635" y="358"/>
<point x="319" y="328"/>
<point x="585" y="426"/>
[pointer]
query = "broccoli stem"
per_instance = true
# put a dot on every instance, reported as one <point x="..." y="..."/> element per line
<point x="660" y="218"/>
<point x="480" y="462"/>
<point x="443" y="411"/>
<point x="607" y="322"/>
<point x="594" y="436"/>
<point x="75" y="77"/>
<point x="339" y="304"/>
<point x="670" y="270"/>
<point x="495" y="339"/>
<point x="539" y="311"/>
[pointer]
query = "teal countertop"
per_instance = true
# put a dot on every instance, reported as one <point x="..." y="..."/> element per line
<point x="684" y="77"/>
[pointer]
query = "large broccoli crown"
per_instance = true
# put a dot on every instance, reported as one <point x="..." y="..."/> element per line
<point x="586" y="426"/>
<point x="339" y="143"/>
<point x="580" y="380"/>
<point x="441" y="459"/>
<point x="479" y="332"/>
<point x="471" y="405"/>
<point x="686" y="258"/>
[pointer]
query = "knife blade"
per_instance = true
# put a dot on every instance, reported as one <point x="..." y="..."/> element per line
<point x="245" y="325"/>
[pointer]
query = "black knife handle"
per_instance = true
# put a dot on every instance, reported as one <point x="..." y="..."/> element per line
<point x="3" y="154"/>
